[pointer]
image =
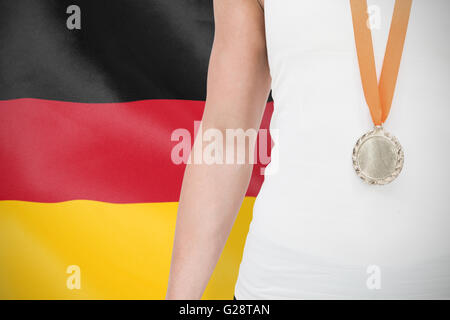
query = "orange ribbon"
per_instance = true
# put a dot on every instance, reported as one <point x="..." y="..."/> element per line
<point x="379" y="96"/>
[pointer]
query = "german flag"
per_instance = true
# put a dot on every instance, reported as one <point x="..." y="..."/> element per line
<point x="90" y="93"/>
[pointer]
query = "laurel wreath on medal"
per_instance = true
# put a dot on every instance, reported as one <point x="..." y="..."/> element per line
<point x="378" y="131"/>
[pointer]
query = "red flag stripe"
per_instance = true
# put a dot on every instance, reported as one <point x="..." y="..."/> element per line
<point x="52" y="151"/>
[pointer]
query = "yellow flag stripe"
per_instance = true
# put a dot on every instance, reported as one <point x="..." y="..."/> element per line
<point x="122" y="251"/>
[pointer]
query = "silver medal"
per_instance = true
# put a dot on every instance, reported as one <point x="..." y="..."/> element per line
<point x="378" y="157"/>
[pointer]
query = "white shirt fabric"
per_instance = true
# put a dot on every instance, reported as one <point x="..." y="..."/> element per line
<point x="318" y="231"/>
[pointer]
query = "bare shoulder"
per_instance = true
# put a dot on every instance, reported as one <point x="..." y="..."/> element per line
<point x="239" y="26"/>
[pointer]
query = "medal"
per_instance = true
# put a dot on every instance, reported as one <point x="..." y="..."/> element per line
<point x="378" y="156"/>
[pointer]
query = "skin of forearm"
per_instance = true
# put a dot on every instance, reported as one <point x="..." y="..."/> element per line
<point x="205" y="217"/>
<point x="210" y="199"/>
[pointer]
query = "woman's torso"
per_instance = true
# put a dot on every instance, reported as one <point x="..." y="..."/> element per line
<point x="317" y="228"/>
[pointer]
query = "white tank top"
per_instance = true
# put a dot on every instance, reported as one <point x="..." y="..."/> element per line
<point x="318" y="231"/>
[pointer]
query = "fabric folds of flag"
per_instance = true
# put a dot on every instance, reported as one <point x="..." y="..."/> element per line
<point x="86" y="117"/>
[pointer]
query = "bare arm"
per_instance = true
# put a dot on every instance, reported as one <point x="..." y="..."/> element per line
<point x="238" y="87"/>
